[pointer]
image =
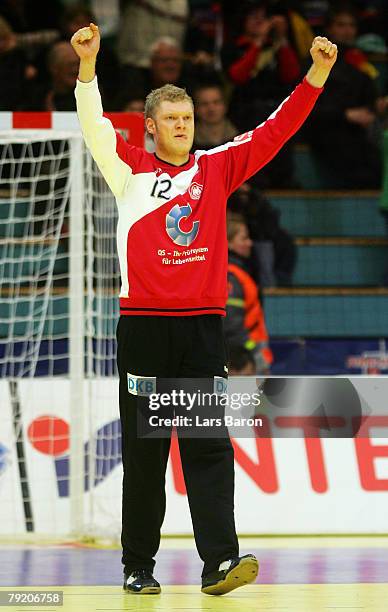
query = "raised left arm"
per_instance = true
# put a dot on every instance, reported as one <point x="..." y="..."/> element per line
<point x="240" y="159"/>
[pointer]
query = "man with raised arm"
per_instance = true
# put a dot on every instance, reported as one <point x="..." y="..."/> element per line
<point x="172" y="246"/>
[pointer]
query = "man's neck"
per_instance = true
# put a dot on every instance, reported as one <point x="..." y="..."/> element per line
<point x="170" y="158"/>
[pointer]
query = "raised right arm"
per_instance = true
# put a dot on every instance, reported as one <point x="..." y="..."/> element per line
<point x="99" y="133"/>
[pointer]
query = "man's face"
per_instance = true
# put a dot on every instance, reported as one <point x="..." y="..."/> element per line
<point x="65" y="68"/>
<point x="166" y="65"/>
<point x="210" y="106"/>
<point x="241" y="242"/>
<point x="254" y="21"/>
<point x="343" y="29"/>
<point x="173" y="127"/>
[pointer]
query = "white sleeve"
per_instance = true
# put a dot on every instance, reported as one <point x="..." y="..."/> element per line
<point x="100" y="137"/>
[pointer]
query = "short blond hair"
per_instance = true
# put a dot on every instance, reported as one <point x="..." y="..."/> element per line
<point x="168" y="92"/>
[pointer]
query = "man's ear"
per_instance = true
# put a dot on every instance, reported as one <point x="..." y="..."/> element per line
<point x="150" y="125"/>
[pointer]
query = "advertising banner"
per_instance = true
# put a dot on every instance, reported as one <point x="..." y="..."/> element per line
<point x="295" y="473"/>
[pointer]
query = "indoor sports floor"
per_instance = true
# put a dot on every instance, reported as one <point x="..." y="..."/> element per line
<point x="296" y="574"/>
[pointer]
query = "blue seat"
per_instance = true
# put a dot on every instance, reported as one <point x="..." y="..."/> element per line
<point x="330" y="214"/>
<point x="319" y="314"/>
<point x="340" y="265"/>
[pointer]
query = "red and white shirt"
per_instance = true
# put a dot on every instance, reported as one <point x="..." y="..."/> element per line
<point x="171" y="232"/>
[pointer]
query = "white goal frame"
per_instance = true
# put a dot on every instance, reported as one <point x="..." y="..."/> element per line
<point x="67" y="125"/>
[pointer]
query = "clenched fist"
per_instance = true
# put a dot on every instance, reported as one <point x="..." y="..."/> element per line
<point x="86" y="42"/>
<point x="323" y="52"/>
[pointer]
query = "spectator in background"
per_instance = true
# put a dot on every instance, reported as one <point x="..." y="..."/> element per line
<point x="373" y="17"/>
<point x="36" y="46"/>
<point x="274" y="254"/>
<point x="32" y="42"/>
<point x="241" y="362"/>
<point x="300" y="33"/>
<point x="342" y="25"/>
<point x="204" y="36"/>
<point x="108" y="15"/>
<point x="57" y="94"/>
<point x="166" y="60"/>
<point x="77" y="16"/>
<point x="264" y="67"/>
<point x="261" y="63"/>
<point x="63" y="69"/>
<point x="143" y="22"/>
<point x="212" y="126"/>
<point x="244" y="324"/>
<point x="134" y="105"/>
<point x="28" y="16"/>
<point x="315" y="12"/>
<point x="15" y="71"/>
<point x="166" y="66"/>
<point x="345" y="115"/>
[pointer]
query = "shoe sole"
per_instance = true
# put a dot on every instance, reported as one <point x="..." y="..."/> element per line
<point x="244" y="573"/>
<point x="145" y="591"/>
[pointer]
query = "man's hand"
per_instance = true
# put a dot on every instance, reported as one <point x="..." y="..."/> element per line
<point x="323" y="52"/>
<point x="324" y="55"/>
<point x="86" y="44"/>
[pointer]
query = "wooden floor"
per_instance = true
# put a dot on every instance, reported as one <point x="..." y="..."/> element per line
<point x="277" y="598"/>
<point x="296" y="574"/>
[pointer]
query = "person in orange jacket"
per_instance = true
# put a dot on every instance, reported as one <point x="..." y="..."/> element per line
<point x="245" y="322"/>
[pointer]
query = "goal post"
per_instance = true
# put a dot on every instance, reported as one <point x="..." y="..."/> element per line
<point x="59" y="282"/>
<point x="76" y="334"/>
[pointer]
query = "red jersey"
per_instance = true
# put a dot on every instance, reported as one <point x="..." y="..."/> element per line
<point x="171" y="232"/>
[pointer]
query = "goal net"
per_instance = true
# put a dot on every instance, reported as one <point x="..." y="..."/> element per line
<point x="59" y="282"/>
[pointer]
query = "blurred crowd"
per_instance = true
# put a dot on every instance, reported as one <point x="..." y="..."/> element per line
<point x="238" y="60"/>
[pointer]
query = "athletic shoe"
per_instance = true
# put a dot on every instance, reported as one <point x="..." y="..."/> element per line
<point x="141" y="581"/>
<point x="231" y="574"/>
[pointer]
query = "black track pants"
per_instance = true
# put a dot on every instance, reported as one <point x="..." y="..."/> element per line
<point x="173" y="347"/>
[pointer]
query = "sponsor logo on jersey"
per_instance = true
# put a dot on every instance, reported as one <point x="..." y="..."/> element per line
<point x="173" y="218"/>
<point x="195" y="190"/>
